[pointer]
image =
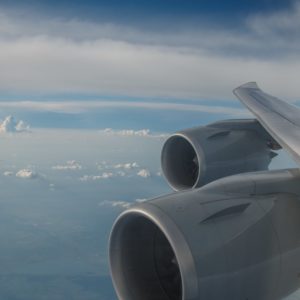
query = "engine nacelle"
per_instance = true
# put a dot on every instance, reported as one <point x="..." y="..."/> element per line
<point x="227" y="240"/>
<point x="194" y="157"/>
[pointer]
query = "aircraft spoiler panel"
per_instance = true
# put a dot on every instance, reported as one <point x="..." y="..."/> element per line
<point x="280" y="119"/>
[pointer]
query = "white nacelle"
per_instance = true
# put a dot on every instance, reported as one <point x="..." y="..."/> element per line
<point x="227" y="240"/>
<point x="194" y="157"/>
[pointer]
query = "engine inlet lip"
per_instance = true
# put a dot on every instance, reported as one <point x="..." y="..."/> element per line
<point x="199" y="153"/>
<point x="185" y="259"/>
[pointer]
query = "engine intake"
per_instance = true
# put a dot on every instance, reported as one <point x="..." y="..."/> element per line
<point x="180" y="162"/>
<point x="154" y="272"/>
<point x="150" y="258"/>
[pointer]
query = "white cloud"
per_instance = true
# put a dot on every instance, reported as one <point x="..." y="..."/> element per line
<point x="121" y="173"/>
<point x="52" y="187"/>
<point x="105" y="175"/>
<point x="144" y="173"/>
<point x="131" y="132"/>
<point x="280" y="24"/>
<point x="128" y="132"/>
<point x="70" y="165"/>
<point x="117" y="170"/>
<point x="8" y="173"/>
<point x="126" y="166"/>
<point x="10" y="125"/>
<point x="102" y="165"/>
<point x="141" y="200"/>
<point x="121" y="204"/>
<point x="22" y="126"/>
<point x="26" y="174"/>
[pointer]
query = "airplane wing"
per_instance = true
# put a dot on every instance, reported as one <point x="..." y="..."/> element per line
<point x="280" y="119"/>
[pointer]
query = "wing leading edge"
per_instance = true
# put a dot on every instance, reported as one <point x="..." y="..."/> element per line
<point x="279" y="118"/>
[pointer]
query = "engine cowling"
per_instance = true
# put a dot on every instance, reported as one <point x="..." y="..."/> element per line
<point x="227" y="240"/>
<point x="194" y="157"/>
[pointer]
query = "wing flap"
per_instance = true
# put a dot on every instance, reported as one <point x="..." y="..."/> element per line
<point x="280" y="119"/>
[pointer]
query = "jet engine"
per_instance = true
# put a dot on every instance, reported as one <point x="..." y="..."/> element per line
<point x="232" y="229"/>
<point x="194" y="157"/>
<point x="227" y="240"/>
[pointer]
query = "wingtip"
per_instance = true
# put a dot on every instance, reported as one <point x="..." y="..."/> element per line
<point x="248" y="85"/>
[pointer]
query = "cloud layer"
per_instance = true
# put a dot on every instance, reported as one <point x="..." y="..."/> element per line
<point x="77" y="107"/>
<point x="80" y="56"/>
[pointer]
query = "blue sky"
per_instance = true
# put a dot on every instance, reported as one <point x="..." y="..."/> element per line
<point x="115" y="9"/>
<point x="167" y="16"/>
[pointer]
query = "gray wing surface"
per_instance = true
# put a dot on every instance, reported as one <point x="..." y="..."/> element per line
<point x="279" y="118"/>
